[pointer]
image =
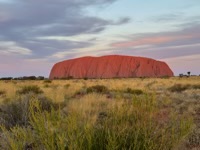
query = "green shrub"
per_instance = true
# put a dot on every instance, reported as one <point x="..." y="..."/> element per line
<point x="97" y="89"/>
<point x="101" y="89"/>
<point x="179" y="87"/>
<point x="66" y="86"/>
<point x="46" y="86"/>
<point x="30" y="89"/>
<point x="47" y="81"/>
<point x="18" y="138"/>
<point x="17" y="112"/>
<point x="45" y="131"/>
<point x="196" y="86"/>
<point x="128" y="125"/>
<point x="81" y="92"/>
<point x="134" y="91"/>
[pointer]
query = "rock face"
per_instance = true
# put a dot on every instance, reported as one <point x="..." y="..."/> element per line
<point x="110" y="67"/>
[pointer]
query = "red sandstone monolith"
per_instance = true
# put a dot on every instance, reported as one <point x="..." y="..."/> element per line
<point x="112" y="66"/>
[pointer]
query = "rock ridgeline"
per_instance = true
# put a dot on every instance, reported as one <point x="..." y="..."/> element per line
<point x="112" y="66"/>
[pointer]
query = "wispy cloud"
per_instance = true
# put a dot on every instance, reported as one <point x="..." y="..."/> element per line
<point x="28" y="24"/>
<point x="170" y="17"/>
<point x="181" y="37"/>
<point x="11" y="48"/>
<point x="154" y="40"/>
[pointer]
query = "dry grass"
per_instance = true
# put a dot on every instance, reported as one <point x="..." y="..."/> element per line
<point x="93" y="107"/>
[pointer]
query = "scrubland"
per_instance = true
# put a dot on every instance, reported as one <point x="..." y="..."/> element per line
<point x="137" y="113"/>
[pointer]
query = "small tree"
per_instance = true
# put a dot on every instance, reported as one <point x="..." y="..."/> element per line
<point x="181" y="75"/>
<point x="188" y="73"/>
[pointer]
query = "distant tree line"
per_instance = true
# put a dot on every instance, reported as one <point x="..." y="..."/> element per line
<point x="35" y="78"/>
<point x="71" y="77"/>
<point x="24" y="78"/>
<point x="186" y="75"/>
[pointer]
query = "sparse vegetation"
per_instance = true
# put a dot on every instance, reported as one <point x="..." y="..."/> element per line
<point x="97" y="89"/>
<point x="46" y="86"/>
<point x="125" y="126"/>
<point x="66" y="86"/>
<point x="196" y="86"/>
<point x="134" y="91"/>
<point x="30" y="89"/>
<point x="16" y="113"/>
<point x="2" y="92"/>
<point x="179" y="88"/>
<point x="101" y="89"/>
<point x="107" y="114"/>
<point x="47" y="81"/>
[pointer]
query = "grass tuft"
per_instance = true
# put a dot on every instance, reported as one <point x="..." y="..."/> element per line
<point x="134" y="91"/>
<point x="123" y="125"/>
<point x="66" y="86"/>
<point x="2" y="92"/>
<point x="30" y="89"/>
<point x="104" y="115"/>
<point x="47" y="81"/>
<point x="97" y="89"/>
<point x="179" y="87"/>
<point x="15" y="113"/>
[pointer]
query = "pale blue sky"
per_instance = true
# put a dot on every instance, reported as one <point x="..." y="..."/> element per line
<point x="36" y="34"/>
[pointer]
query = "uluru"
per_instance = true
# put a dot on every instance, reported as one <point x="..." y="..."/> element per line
<point x="111" y="66"/>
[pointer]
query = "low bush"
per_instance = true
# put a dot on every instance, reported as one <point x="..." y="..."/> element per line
<point x="196" y="86"/>
<point x="30" y="89"/>
<point x="179" y="87"/>
<point x="101" y="89"/>
<point x="47" y="81"/>
<point x="134" y="91"/>
<point x="97" y="89"/>
<point x="66" y="86"/>
<point x="126" y="125"/>
<point x="46" y="86"/>
<point x="16" y="113"/>
<point x="81" y="92"/>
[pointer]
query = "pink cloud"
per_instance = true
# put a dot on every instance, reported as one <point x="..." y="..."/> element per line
<point x="152" y="40"/>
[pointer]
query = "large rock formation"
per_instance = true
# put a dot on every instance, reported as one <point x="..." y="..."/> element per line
<point x="110" y="67"/>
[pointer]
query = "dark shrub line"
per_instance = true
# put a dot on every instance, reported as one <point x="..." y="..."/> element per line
<point x="181" y="87"/>
<point x="47" y="81"/>
<point x="134" y="91"/>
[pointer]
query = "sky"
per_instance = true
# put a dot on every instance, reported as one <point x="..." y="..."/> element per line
<point x="35" y="34"/>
